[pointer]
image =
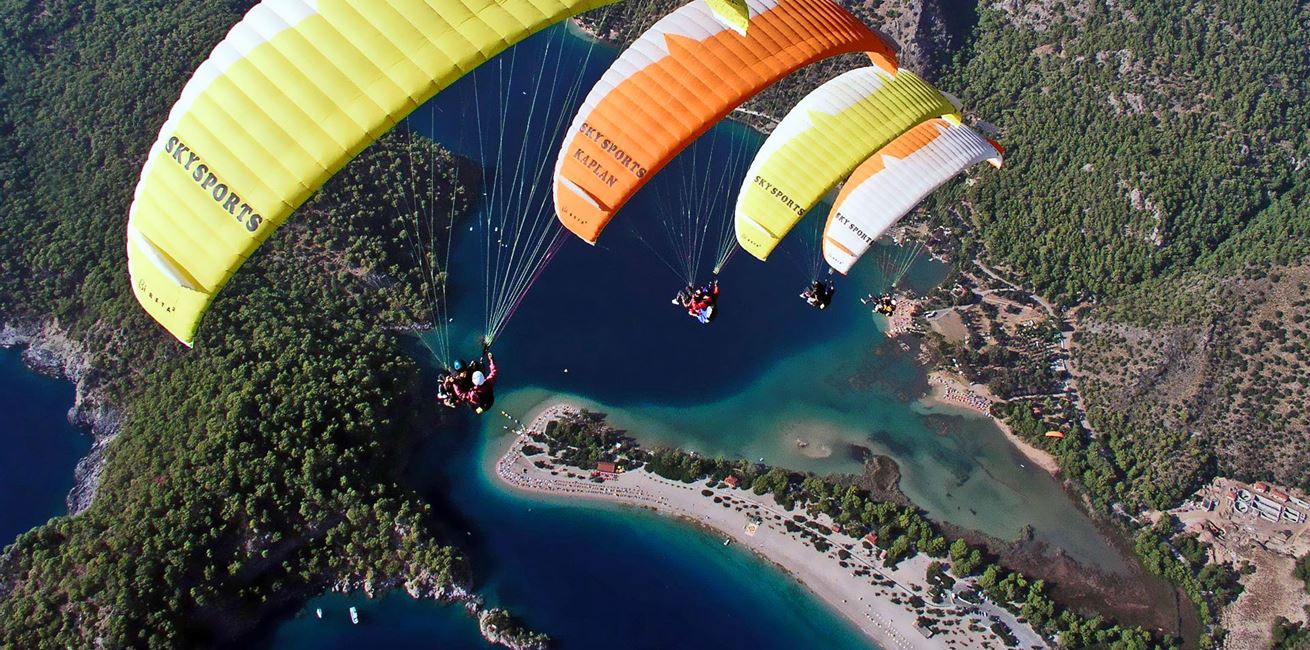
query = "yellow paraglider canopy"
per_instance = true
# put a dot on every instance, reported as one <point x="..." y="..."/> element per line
<point x="733" y="13"/>
<point x="295" y="90"/>
<point x="821" y="141"/>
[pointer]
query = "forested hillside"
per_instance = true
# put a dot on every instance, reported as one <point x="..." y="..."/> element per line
<point x="259" y="467"/>
<point x="1156" y="174"/>
<point x="1142" y="137"/>
<point x="1157" y="170"/>
<point x="1153" y="150"/>
<point x="1207" y="368"/>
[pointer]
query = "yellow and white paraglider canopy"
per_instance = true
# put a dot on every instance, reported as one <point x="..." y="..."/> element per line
<point x="821" y="141"/>
<point x="294" y="91"/>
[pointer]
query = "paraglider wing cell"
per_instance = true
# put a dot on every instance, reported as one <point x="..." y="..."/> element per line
<point x="675" y="81"/>
<point x="821" y="141"/>
<point x="895" y="179"/>
<point x="295" y="90"/>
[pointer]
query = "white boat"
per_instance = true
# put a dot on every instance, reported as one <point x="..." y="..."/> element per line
<point x="726" y="541"/>
<point x="318" y="612"/>
<point x="354" y="616"/>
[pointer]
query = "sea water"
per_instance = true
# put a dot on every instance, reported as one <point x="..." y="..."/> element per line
<point x="41" y="448"/>
<point x="592" y="576"/>
<point x="598" y="325"/>
<point x="770" y="370"/>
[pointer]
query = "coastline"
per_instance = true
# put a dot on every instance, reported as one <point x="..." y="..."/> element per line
<point x="47" y="350"/>
<point x="884" y="604"/>
<point x="949" y="391"/>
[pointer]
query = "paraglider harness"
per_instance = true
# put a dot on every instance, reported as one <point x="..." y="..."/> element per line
<point x="472" y="384"/>
<point x="884" y="304"/>
<point x="702" y="303"/>
<point x="819" y="294"/>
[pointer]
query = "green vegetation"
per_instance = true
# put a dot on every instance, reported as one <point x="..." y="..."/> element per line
<point x="1156" y="164"/>
<point x="259" y="467"/>
<point x="1144" y="138"/>
<point x="582" y="440"/>
<point x="1288" y="635"/>
<point x="901" y="531"/>
<point x="1155" y="177"/>
<point x="504" y="625"/>
<point x="1153" y="469"/>
<point x="1148" y="174"/>
<point x="1182" y="559"/>
<point x="1143" y="472"/>
<point x="1149" y="180"/>
<point x="1010" y="364"/>
<point x="1212" y="369"/>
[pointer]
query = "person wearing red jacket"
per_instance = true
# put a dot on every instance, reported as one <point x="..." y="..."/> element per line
<point x="702" y="303"/>
<point x="481" y="393"/>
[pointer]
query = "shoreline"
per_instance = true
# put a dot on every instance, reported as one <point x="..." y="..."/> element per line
<point x="948" y="391"/>
<point x="47" y="350"/>
<point x="847" y="576"/>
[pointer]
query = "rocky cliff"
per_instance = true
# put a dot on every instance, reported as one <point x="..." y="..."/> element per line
<point x="49" y="351"/>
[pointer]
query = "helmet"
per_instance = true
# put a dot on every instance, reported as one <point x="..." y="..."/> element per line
<point x="479" y="378"/>
<point x="459" y="365"/>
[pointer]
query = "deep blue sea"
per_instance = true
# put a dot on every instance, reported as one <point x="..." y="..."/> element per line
<point x="592" y="577"/>
<point x="770" y="369"/>
<point x="597" y="324"/>
<point x="40" y="447"/>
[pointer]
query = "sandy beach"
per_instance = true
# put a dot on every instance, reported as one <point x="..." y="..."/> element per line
<point x="951" y="391"/>
<point x="902" y="319"/>
<point x="877" y="600"/>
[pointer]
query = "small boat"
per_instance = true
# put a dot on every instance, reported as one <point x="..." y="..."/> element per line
<point x="318" y="612"/>
<point x="354" y="616"/>
<point x="726" y="541"/>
